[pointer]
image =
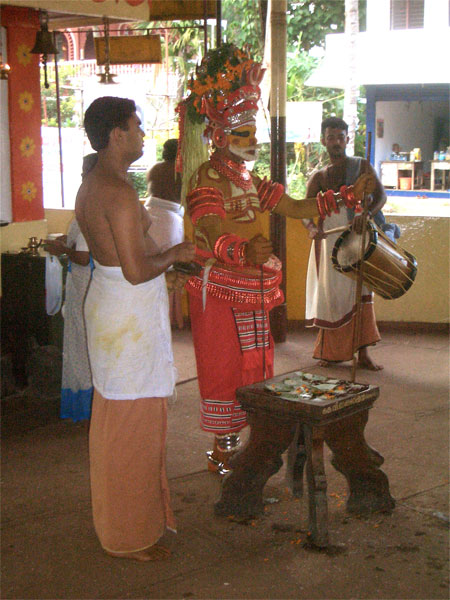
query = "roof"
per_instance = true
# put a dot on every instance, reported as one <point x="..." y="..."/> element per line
<point x="65" y="14"/>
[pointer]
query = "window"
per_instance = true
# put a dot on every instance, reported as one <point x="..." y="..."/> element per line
<point x="407" y="14"/>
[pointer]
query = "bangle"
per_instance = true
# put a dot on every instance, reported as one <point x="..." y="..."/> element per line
<point x="269" y="193"/>
<point x="326" y="203"/>
<point x="348" y="196"/>
<point x="230" y="249"/>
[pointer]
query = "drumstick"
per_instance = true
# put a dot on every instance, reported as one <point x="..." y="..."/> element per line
<point x="335" y="230"/>
<point x="359" y="279"/>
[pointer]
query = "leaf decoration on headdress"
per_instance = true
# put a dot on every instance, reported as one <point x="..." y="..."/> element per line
<point x="223" y="70"/>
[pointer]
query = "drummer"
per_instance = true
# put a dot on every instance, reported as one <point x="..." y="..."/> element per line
<point x="330" y="296"/>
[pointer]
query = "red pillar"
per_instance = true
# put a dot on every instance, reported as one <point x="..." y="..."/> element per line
<point x="24" y="100"/>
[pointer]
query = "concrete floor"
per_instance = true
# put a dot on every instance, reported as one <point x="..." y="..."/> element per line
<point x="49" y="548"/>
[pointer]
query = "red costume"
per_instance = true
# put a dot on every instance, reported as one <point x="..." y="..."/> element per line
<point x="231" y="298"/>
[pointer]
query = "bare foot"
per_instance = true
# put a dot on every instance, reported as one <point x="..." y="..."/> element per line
<point x="324" y="364"/>
<point x="155" y="552"/>
<point x="367" y="363"/>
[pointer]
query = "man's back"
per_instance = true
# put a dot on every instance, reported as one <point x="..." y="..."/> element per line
<point x="108" y="212"/>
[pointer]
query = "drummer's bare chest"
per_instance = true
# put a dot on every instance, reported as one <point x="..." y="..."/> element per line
<point x="333" y="177"/>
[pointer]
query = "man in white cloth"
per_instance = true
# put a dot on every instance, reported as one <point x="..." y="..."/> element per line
<point x="76" y="392"/>
<point x="129" y="342"/>
<point x="166" y="213"/>
<point x="330" y="295"/>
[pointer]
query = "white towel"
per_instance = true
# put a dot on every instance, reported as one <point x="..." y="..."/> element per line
<point x="129" y="337"/>
<point x="167" y="228"/>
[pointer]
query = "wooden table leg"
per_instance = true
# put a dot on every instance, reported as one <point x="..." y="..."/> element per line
<point x="317" y="486"/>
<point x="432" y="179"/>
<point x="360" y="464"/>
<point x="252" y="466"/>
<point x="296" y="459"/>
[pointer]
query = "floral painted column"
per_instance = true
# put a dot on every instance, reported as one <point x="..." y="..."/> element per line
<point x="24" y="99"/>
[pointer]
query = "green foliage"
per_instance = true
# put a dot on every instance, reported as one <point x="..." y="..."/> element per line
<point x="309" y="21"/>
<point x="67" y="111"/>
<point x="138" y="181"/>
<point x="262" y="164"/>
<point x="244" y="26"/>
<point x="49" y="114"/>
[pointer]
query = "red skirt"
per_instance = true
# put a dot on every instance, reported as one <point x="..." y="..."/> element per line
<point x="222" y="364"/>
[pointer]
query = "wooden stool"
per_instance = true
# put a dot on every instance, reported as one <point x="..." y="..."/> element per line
<point x="304" y="425"/>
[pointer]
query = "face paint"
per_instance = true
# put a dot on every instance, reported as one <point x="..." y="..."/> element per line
<point x="243" y="143"/>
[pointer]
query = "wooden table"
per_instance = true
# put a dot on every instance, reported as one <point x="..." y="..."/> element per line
<point x="439" y="165"/>
<point x="24" y="316"/>
<point x="390" y="172"/>
<point x="275" y="424"/>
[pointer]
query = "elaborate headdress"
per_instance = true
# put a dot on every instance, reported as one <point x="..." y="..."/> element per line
<point x="223" y="95"/>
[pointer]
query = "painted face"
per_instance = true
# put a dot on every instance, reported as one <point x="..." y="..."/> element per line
<point x="243" y="143"/>
<point x="134" y="137"/>
<point x="335" y="141"/>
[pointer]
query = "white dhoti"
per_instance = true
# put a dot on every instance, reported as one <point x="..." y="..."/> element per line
<point x="129" y="337"/>
<point x="331" y="301"/>
<point x="167" y="230"/>
<point x="330" y="295"/>
<point x="129" y="342"/>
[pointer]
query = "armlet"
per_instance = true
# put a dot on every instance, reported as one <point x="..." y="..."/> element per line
<point x="269" y="193"/>
<point x="203" y="201"/>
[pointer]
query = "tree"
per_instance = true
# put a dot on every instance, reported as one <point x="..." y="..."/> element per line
<point x="351" y="87"/>
<point x="313" y="20"/>
<point x="49" y="116"/>
<point x="244" y="25"/>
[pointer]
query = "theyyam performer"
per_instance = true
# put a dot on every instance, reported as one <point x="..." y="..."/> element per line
<point x="231" y="297"/>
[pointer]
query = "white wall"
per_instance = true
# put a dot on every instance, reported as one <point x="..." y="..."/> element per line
<point x="436" y="14"/>
<point x="379" y="14"/>
<point x="409" y="124"/>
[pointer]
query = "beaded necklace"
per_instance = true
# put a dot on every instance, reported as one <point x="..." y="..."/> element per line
<point x="236" y="172"/>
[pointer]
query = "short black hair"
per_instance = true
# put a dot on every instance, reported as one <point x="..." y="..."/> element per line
<point x="104" y="115"/>
<point x="170" y="149"/>
<point x="334" y="123"/>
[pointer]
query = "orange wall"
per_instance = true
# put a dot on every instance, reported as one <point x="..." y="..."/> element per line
<point x="24" y="100"/>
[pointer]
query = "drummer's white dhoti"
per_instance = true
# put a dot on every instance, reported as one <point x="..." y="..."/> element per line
<point x="130" y="351"/>
<point x="330" y="301"/>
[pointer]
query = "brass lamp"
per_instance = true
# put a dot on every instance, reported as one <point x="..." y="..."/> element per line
<point x="44" y="43"/>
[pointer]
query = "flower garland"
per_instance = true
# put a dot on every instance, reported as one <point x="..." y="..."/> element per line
<point x="221" y="71"/>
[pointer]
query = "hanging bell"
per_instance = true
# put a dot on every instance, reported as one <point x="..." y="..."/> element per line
<point x="44" y="42"/>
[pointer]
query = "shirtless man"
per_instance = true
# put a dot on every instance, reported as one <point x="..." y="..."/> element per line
<point x="162" y="181"/>
<point x="129" y="342"/>
<point x="330" y="297"/>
